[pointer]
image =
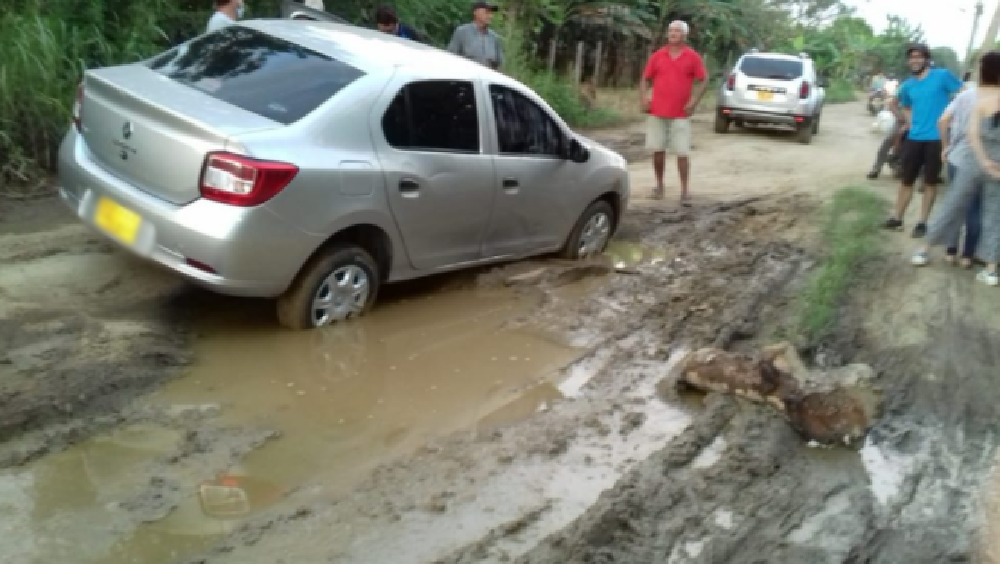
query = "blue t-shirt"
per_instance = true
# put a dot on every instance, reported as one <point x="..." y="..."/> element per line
<point x="927" y="98"/>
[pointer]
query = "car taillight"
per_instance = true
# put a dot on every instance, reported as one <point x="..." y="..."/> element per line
<point x="731" y="82"/>
<point x="804" y="90"/>
<point x="243" y="181"/>
<point x="78" y="108"/>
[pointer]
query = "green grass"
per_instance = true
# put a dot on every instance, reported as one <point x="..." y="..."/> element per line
<point x="840" y="92"/>
<point x="565" y="99"/>
<point x="852" y="235"/>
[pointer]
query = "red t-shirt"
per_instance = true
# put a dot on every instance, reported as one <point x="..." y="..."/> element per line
<point x="672" y="80"/>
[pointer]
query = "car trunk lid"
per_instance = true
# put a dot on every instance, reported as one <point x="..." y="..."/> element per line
<point x="153" y="132"/>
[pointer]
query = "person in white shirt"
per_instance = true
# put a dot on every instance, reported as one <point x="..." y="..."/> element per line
<point x="226" y="13"/>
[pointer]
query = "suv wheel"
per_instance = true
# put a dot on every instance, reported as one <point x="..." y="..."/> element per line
<point x="804" y="133"/>
<point x="815" y="127"/>
<point x="335" y="285"/>
<point x="591" y="233"/>
<point x="721" y="123"/>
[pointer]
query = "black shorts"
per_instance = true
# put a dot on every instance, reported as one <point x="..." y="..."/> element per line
<point x="921" y="155"/>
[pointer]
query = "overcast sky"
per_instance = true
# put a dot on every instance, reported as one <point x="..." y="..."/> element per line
<point x="946" y="23"/>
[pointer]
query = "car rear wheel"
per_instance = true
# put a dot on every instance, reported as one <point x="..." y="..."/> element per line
<point x="592" y="232"/>
<point x="721" y="123"/>
<point x="335" y="285"/>
<point x="816" y="123"/>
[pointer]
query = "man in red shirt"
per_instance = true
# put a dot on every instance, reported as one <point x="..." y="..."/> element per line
<point x="677" y="75"/>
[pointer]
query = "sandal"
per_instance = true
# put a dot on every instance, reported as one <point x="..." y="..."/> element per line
<point x="657" y="193"/>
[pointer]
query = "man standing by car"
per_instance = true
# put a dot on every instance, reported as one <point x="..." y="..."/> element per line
<point x="226" y="13"/>
<point x="476" y="40"/>
<point x="923" y="99"/>
<point x="387" y="21"/>
<point x="678" y="78"/>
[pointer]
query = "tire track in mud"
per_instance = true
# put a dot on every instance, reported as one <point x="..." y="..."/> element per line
<point x="493" y="495"/>
<point x="76" y="348"/>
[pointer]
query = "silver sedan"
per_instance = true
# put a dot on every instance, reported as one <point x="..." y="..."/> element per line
<point x="313" y="162"/>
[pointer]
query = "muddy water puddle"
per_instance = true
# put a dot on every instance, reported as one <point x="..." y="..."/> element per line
<point x="344" y="399"/>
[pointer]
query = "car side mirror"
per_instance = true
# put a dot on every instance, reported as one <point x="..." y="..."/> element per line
<point x="577" y="152"/>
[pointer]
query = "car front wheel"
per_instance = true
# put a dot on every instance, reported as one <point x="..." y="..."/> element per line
<point x="592" y="232"/>
<point x="337" y="284"/>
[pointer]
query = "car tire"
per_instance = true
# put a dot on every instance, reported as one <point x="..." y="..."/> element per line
<point x="592" y="232"/>
<point x="804" y="133"/>
<point x="721" y="123"/>
<point x="739" y="123"/>
<point x="321" y="277"/>
<point x="815" y="125"/>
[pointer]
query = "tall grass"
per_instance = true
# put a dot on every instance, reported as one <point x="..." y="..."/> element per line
<point x="853" y="235"/>
<point x="840" y="92"/>
<point x="45" y="45"/>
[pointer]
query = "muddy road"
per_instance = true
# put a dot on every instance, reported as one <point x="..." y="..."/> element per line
<point x="512" y="414"/>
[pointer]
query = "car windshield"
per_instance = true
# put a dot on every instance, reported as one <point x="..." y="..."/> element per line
<point x="774" y="69"/>
<point x="257" y="72"/>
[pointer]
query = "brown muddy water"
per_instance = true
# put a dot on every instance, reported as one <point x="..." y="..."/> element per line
<point x="344" y="400"/>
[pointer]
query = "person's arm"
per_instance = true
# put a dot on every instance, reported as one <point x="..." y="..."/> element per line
<point x="944" y="129"/>
<point x="500" y="56"/>
<point x="699" y="88"/>
<point x="645" y="83"/>
<point x="988" y="165"/>
<point x="455" y="45"/>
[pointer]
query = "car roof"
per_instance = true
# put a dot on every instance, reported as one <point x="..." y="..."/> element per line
<point x="367" y="49"/>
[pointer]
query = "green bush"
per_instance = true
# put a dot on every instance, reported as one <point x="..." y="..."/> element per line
<point x="840" y="92"/>
<point x="47" y="44"/>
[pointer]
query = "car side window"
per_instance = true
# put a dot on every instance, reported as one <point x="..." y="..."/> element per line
<point x="524" y="128"/>
<point x="434" y="115"/>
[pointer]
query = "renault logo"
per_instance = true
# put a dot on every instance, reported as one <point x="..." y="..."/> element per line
<point x="127" y="130"/>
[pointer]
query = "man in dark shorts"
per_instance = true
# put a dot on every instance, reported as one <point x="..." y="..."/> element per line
<point x="923" y="99"/>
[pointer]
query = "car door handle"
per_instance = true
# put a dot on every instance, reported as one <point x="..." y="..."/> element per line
<point x="408" y="185"/>
<point x="510" y="183"/>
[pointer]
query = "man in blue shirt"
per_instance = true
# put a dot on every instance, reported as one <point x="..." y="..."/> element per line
<point x="388" y="22"/>
<point x="923" y="99"/>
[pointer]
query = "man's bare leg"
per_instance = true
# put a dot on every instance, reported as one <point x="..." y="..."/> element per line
<point x="659" y="161"/>
<point x="903" y="197"/>
<point x="927" y="203"/>
<point x="684" y="170"/>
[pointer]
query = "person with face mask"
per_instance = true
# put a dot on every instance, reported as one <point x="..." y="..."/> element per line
<point x="226" y="13"/>
<point x="923" y="99"/>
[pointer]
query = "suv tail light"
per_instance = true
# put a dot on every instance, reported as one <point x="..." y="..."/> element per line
<point x="804" y="90"/>
<point x="78" y="108"/>
<point x="731" y="82"/>
<point x="243" y="181"/>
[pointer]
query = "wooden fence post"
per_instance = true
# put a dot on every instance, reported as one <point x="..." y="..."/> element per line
<point x="597" y="65"/>
<point x="552" y="54"/>
<point x="579" y="62"/>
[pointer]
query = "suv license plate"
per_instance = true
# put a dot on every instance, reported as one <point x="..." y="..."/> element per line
<point x="765" y="96"/>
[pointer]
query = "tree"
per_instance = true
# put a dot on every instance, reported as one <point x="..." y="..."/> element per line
<point x="947" y="58"/>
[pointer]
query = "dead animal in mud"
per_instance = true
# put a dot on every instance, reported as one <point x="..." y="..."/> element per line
<point x="826" y="414"/>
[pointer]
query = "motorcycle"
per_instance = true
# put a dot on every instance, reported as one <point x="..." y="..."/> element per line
<point x="877" y="101"/>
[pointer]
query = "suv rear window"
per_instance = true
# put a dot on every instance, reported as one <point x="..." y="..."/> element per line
<point x="774" y="69"/>
<point x="257" y="72"/>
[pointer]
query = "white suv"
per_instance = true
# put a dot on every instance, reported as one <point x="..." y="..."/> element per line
<point x="772" y="89"/>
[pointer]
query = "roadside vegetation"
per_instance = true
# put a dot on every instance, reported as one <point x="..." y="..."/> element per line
<point x="852" y="236"/>
<point x="47" y="44"/>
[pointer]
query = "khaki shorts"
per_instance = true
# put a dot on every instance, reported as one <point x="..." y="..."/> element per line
<point x="666" y="134"/>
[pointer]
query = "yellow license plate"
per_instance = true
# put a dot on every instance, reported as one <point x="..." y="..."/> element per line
<point x="765" y="96"/>
<point x="117" y="220"/>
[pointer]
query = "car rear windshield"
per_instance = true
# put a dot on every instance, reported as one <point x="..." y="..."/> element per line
<point x="774" y="69"/>
<point x="257" y="72"/>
